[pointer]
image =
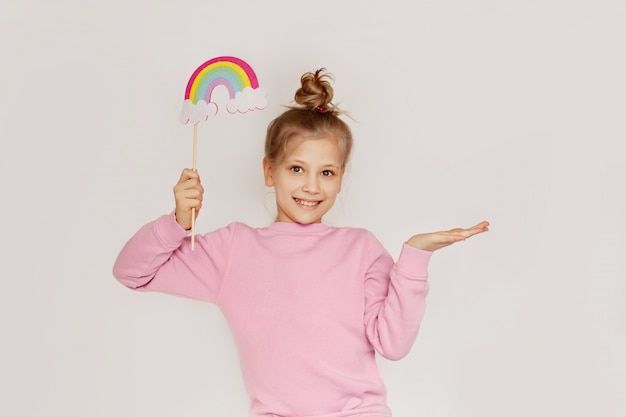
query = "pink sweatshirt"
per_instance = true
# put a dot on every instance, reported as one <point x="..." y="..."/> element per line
<point x="307" y="305"/>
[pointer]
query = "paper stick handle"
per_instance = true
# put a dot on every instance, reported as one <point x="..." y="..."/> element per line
<point x="193" y="166"/>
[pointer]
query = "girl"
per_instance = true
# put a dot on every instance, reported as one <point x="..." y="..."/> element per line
<point x="308" y="304"/>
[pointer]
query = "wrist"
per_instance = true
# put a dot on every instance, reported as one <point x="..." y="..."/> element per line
<point x="418" y="242"/>
<point x="185" y="225"/>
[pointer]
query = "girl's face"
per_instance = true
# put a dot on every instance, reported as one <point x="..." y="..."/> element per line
<point x="306" y="180"/>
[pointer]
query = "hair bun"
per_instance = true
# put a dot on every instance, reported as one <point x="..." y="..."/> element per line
<point x="316" y="93"/>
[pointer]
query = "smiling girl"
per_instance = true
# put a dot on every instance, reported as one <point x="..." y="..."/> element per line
<point x="309" y="305"/>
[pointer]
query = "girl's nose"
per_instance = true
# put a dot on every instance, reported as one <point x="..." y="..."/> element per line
<point x="311" y="184"/>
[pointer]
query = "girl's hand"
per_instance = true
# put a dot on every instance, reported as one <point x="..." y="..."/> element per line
<point x="188" y="195"/>
<point x="437" y="240"/>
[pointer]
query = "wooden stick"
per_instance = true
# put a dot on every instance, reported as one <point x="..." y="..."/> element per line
<point x="193" y="166"/>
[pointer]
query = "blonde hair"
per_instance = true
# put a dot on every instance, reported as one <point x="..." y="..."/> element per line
<point x="315" y="115"/>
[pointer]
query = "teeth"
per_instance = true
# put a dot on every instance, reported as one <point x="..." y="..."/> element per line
<point x="306" y="203"/>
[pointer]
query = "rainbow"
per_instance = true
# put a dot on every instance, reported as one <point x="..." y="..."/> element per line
<point x="228" y="71"/>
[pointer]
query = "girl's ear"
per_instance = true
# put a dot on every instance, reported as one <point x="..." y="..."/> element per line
<point x="267" y="172"/>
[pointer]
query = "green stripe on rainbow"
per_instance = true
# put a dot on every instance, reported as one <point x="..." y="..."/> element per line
<point x="228" y="71"/>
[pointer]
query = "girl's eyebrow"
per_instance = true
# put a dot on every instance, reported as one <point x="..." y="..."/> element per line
<point x="300" y="162"/>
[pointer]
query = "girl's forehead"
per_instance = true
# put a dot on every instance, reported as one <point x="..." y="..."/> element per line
<point x="303" y="140"/>
<point x="313" y="146"/>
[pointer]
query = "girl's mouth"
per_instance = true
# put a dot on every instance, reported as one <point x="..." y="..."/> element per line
<point x="307" y="203"/>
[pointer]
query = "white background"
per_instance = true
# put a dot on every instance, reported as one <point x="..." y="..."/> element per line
<point x="464" y="110"/>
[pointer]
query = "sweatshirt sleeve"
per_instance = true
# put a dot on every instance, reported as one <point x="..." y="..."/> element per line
<point x="159" y="258"/>
<point x="395" y="299"/>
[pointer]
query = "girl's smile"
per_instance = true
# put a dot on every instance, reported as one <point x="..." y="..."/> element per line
<point x="307" y="179"/>
<point x="307" y="203"/>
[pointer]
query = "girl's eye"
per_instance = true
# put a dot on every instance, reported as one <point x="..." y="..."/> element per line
<point x="296" y="169"/>
<point x="327" y="173"/>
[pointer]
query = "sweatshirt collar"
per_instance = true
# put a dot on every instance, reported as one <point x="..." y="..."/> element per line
<point x="297" y="228"/>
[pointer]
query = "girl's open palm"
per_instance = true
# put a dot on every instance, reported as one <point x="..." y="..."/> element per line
<point x="437" y="240"/>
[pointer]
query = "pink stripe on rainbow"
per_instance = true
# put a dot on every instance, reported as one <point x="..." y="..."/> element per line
<point x="233" y="73"/>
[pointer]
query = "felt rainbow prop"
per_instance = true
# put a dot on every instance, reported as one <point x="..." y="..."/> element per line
<point x="243" y="90"/>
<point x="233" y="73"/>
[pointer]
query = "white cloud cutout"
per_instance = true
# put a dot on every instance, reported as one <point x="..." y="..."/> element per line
<point x="247" y="100"/>
<point x="199" y="112"/>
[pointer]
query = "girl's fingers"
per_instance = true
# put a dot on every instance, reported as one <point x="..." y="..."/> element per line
<point x="192" y="184"/>
<point x="188" y="176"/>
<point x="189" y="173"/>
<point x="482" y="226"/>
<point x="190" y="194"/>
<point x="438" y="240"/>
<point x="479" y="228"/>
